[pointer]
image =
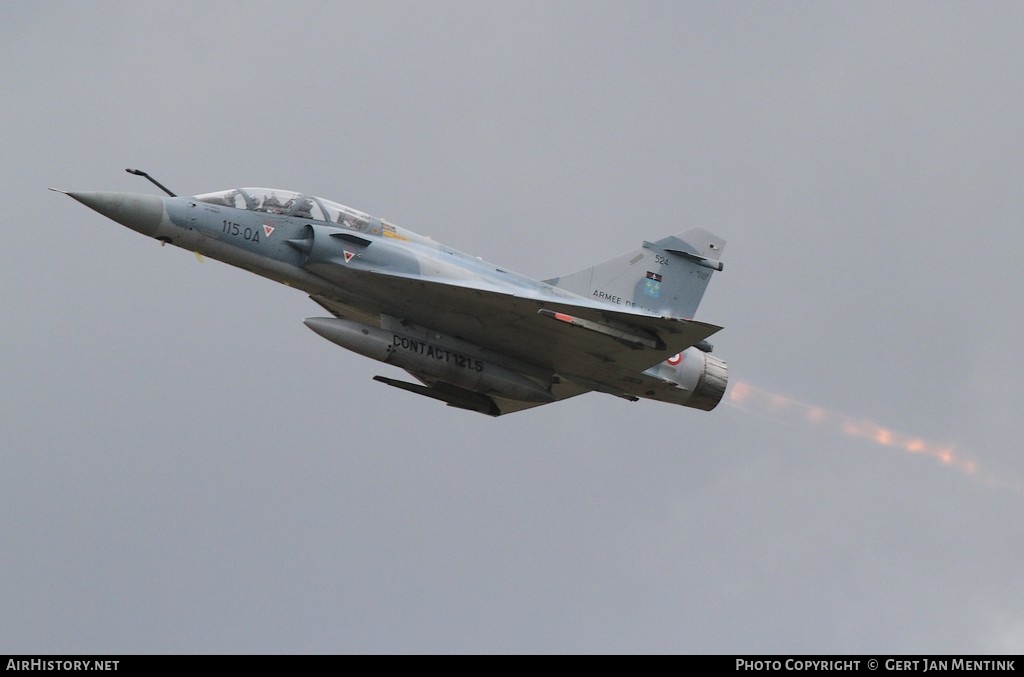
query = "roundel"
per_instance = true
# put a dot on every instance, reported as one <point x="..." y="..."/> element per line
<point x="675" y="359"/>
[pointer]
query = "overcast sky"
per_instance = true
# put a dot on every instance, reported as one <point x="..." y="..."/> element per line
<point x="187" y="468"/>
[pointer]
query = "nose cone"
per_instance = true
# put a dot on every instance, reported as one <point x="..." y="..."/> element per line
<point x="141" y="213"/>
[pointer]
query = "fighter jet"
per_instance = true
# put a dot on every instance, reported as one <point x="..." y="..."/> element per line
<point x="474" y="335"/>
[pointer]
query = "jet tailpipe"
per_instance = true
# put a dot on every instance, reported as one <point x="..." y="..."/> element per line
<point x="710" y="385"/>
<point x="699" y="377"/>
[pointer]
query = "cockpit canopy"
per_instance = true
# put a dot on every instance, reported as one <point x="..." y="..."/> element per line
<point x="290" y="203"/>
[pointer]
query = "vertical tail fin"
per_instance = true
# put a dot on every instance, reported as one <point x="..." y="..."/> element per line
<point x="667" y="277"/>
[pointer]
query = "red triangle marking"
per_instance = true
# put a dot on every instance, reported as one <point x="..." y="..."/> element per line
<point x="349" y="256"/>
<point x="268" y="229"/>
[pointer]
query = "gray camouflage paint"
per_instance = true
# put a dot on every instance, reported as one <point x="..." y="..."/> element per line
<point x="371" y="274"/>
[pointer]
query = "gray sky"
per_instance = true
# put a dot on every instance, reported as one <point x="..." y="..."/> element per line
<point x="187" y="468"/>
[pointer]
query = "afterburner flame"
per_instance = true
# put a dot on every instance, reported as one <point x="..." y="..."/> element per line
<point x="788" y="410"/>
